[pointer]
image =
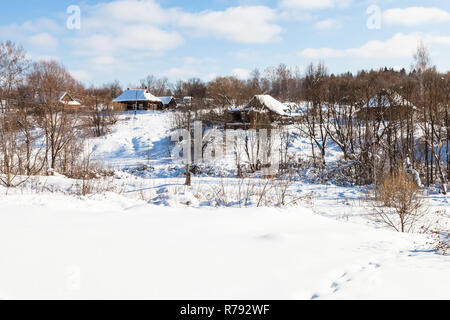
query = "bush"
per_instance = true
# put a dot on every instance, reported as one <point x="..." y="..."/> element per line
<point x="400" y="203"/>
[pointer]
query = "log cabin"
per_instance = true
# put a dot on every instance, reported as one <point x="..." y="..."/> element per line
<point x="139" y="99"/>
<point x="387" y="105"/>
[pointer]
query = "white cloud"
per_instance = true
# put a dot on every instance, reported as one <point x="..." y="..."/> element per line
<point x="243" y="24"/>
<point x="30" y="27"/>
<point x="134" y="32"/>
<point x="399" y="46"/>
<point x="241" y="73"/>
<point x="103" y="60"/>
<point x="135" y="37"/>
<point x="314" y="4"/>
<point x="40" y="34"/>
<point x="321" y="53"/>
<point x="186" y="72"/>
<point x="203" y="68"/>
<point x="81" y="75"/>
<point x="135" y="11"/>
<point x="209" y="77"/>
<point x="44" y="41"/>
<point x="328" y="24"/>
<point x="43" y="58"/>
<point x="238" y="24"/>
<point x="414" y="16"/>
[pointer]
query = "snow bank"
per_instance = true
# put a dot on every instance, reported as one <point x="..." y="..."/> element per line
<point x="116" y="248"/>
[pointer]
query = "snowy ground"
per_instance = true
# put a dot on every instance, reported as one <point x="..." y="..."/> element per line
<point x="151" y="239"/>
<point x="55" y="246"/>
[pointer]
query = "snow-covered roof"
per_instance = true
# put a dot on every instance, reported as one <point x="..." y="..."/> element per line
<point x="73" y="103"/>
<point x="166" y="100"/>
<point x="66" y="98"/>
<point x="388" y="99"/>
<point x="137" y="95"/>
<point x="271" y="104"/>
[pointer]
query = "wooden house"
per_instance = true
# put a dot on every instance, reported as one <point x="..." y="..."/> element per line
<point x="68" y="101"/>
<point x="387" y="105"/>
<point x="261" y="112"/>
<point x="139" y="99"/>
<point x="169" y="102"/>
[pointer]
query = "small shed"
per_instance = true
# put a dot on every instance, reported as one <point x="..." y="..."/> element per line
<point x="169" y="102"/>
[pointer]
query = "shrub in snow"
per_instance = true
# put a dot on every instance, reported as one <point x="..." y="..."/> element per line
<point x="400" y="203"/>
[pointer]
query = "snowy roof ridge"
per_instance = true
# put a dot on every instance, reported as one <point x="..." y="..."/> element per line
<point x="137" y="95"/>
<point x="72" y="101"/>
<point x="385" y="98"/>
<point x="271" y="103"/>
<point x="166" y="100"/>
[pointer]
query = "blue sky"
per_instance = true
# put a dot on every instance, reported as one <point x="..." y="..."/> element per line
<point x="129" y="39"/>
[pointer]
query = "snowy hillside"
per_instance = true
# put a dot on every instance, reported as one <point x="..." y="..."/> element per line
<point x="135" y="140"/>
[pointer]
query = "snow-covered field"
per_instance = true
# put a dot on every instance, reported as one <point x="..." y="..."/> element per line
<point x="153" y="238"/>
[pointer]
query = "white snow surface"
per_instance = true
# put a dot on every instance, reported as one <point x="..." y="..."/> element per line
<point x="145" y="242"/>
<point x="135" y="140"/>
<point x="60" y="247"/>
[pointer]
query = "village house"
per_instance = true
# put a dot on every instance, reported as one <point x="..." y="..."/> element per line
<point x="261" y="112"/>
<point x="387" y="105"/>
<point x="63" y="99"/>
<point x="67" y="100"/>
<point x="169" y="102"/>
<point x="139" y="99"/>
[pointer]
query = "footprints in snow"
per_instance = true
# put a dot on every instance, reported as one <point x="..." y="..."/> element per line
<point x="344" y="279"/>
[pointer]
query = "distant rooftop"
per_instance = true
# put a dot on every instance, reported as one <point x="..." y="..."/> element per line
<point x="137" y="95"/>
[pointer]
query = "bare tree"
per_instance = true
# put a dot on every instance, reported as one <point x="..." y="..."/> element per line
<point x="314" y="121"/>
<point x="13" y="66"/>
<point x="50" y="80"/>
